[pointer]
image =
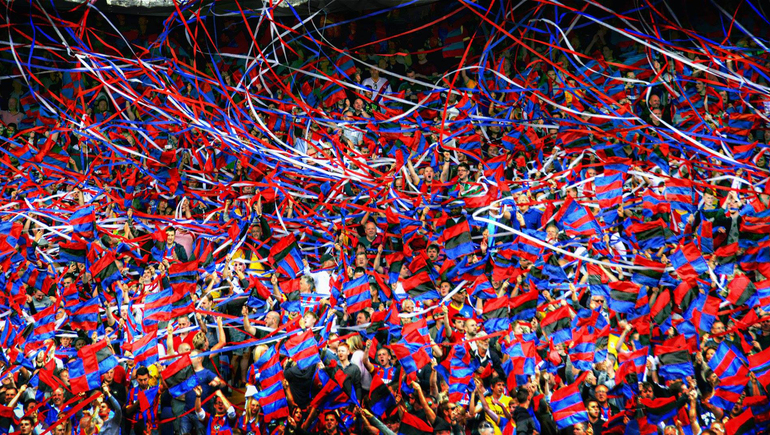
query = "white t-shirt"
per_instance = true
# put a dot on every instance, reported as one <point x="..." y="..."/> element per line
<point x="381" y="86"/>
<point x="358" y="359"/>
<point x="321" y="280"/>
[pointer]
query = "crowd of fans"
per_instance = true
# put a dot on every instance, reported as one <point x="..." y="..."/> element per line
<point x="384" y="226"/>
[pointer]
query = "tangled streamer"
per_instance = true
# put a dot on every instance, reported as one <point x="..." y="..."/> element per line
<point x="592" y="160"/>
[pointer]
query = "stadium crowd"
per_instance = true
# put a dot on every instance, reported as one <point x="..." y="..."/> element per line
<point x="389" y="230"/>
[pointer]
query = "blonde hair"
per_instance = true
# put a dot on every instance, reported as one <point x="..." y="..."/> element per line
<point x="355" y="343"/>
<point x="248" y="409"/>
<point x="199" y="340"/>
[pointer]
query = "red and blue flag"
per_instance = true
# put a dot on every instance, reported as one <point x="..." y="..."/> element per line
<point x="286" y="257"/>
<point x="303" y="349"/>
<point x="83" y="223"/>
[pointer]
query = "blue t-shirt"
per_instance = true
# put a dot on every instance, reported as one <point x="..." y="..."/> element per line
<point x="532" y="219"/>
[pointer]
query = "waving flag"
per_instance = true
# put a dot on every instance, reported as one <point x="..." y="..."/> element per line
<point x="83" y="377"/>
<point x="105" y="271"/>
<point x="650" y="274"/>
<point x="272" y="398"/>
<point x="660" y="309"/>
<point x="460" y="373"/>
<point x="93" y="361"/>
<point x="638" y="358"/>
<point x="345" y="64"/>
<point x="336" y="389"/>
<point x="567" y="405"/>
<point x="496" y="314"/>
<point x="457" y="238"/>
<point x="557" y="324"/>
<point x="83" y="223"/>
<point x="675" y="360"/>
<point x="578" y="220"/>
<point x="166" y="304"/>
<point x="416" y="332"/>
<point x="380" y="398"/>
<point x="582" y="352"/>
<point x="37" y="279"/>
<point x="609" y="190"/>
<point x="420" y="284"/>
<point x="679" y="194"/>
<point x="453" y="43"/>
<point x="728" y="361"/>
<point x="740" y="290"/>
<point x="728" y="392"/>
<point x="180" y="376"/>
<point x="759" y="363"/>
<point x="528" y="249"/>
<point x="85" y="315"/>
<point x="654" y="204"/>
<point x="395" y="261"/>
<point x="285" y="257"/>
<point x="609" y="193"/>
<point x="522" y="360"/>
<point x="597" y="281"/>
<point x="703" y="311"/>
<point x="44" y="328"/>
<point x="623" y="296"/>
<point x="688" y="262"/>
<point x="413" y="357"/>
<point x="743" y="424"/>
<point x="73" y="252"/>
<point x="553" y="269"/>
<point x="661" y="409"/>
<point x="357" y="294"/>
<point x="303" y="349"/>
<point x="648" y="235"/>
<point x="482" y="288"/>
<point x="412" y="425"/>
<point x="524" y="306"/>
<point x="10" y="233"/>
<point x="727" y="256"/>
<point x="183" y="277"/>
<point x="145" y="349"/>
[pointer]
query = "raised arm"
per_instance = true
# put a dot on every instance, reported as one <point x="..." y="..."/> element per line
<point x="367" y="363"/>
<point x="483" y="405"/>
<point x="221" y="338"/>
<point x="247" y="326"/>
<point x="170" y="339"/>
<point x="412" y="172"/>
<point x="445" y="167"/>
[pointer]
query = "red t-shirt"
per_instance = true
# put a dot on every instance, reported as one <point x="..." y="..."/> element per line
<point x="179" y="340"/>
